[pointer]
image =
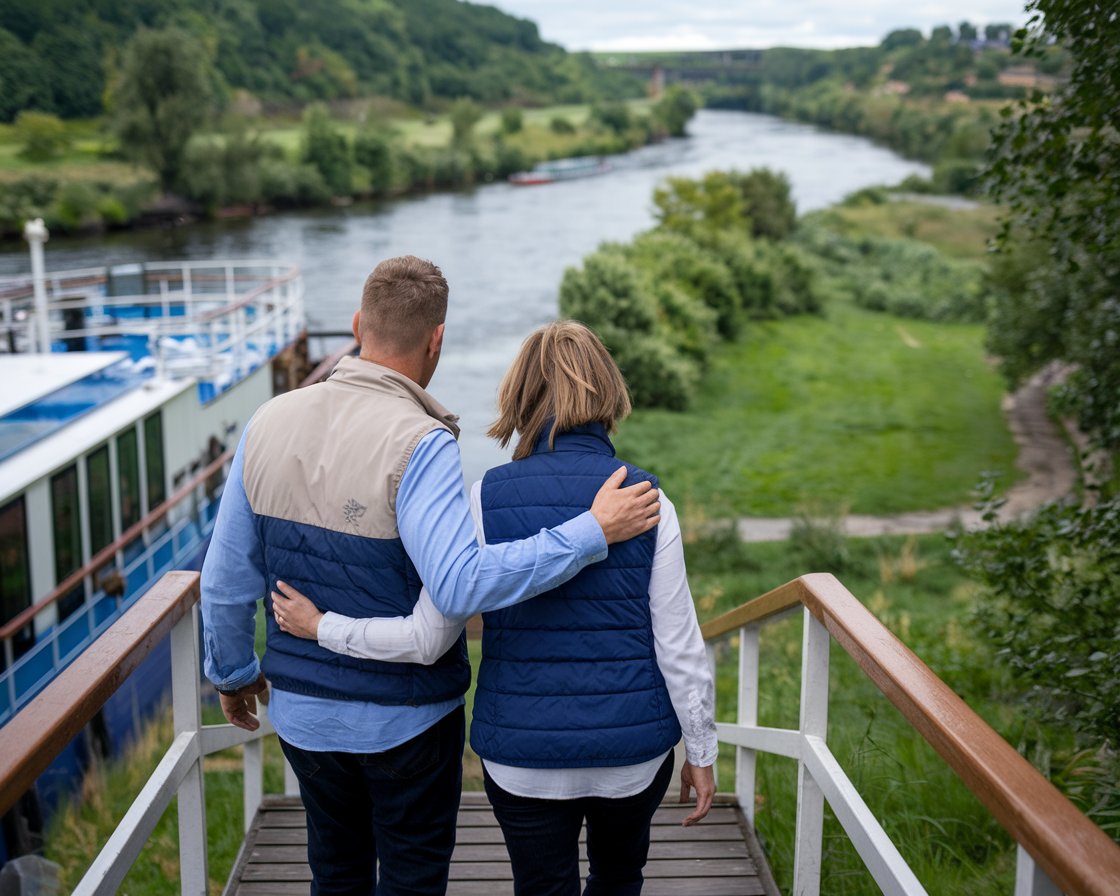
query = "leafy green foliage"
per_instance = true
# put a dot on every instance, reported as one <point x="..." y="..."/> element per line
<point x="53" y="58"/>
<point x="327" y="149"/>
<point x="757" y="202"/>
<point x="1051" y="608"/>
<point x="675" y="109"/>
<point x="163" y="98"/>
<point x="1056" y="165"/>
<point x="900" y="276"/>
<point x="465" y="114"/>
<point x="692" y="281"/>
<point x="43" y="135"/>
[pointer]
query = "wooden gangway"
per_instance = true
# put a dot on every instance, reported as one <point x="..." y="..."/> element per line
<point x="718" y="857"/>
<point x="1058" y="849"/>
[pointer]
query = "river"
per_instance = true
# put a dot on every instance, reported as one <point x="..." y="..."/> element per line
<point x="503" y="249"/>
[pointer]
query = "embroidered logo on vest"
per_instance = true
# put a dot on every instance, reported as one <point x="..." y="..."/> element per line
<point x="353" y="511"/>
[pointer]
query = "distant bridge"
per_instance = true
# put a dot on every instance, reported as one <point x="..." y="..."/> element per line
<point x="715" y="66"/>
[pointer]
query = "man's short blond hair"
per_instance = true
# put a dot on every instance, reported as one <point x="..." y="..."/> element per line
<point x="404" y="299"/>
<point x="562" y="373"/>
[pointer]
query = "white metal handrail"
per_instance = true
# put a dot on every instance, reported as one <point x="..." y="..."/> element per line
<point x="179" y="776"/>
<point x="1048" y="829"/>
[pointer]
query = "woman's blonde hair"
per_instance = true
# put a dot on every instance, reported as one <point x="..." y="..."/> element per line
<point x="563" y="373"/>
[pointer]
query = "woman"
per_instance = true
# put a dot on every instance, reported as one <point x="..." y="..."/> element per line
<point x="583" y="691"/>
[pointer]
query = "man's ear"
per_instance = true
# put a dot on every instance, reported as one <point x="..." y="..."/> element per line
<point x="435" y="344"/>
<point x="355" y="325"/>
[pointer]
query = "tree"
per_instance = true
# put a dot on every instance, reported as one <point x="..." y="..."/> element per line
<point x="163" y="98"/>
<point x="1056" y="165"/>
<point x="675" y="109"/>
<point x="43" y="135"/>
<point x="465" y="114"/>
<point x="966" y="32"/>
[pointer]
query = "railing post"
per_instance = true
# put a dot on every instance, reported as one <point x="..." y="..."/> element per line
<point x="814" y="723"/>
<point x="253" y="773"/>
<point x="186" y="696"/>
<point x="745" y="759"/>
<point x="1030" y="880"/>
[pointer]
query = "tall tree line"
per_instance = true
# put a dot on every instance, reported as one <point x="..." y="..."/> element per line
<point x="62" y="57"/>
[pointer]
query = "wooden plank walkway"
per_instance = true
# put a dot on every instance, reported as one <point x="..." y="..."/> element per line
<point x="718" y="857"/>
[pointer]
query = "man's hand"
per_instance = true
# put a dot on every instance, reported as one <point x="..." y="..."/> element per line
<point x="701" y="777"/>
<point x="241" y="708"/>
<point x="294" y="613"/>
<point x="625" y="512"/>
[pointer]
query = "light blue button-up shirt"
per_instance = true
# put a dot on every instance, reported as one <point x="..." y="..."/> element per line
<point x="438" y="533"/>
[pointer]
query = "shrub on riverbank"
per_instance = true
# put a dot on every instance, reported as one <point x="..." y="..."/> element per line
<point x="663" y="301"/>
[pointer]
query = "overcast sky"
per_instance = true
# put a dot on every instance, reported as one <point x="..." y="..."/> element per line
<point x="721" y="24"/>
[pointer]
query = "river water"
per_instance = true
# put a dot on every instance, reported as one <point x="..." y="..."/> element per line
<point x="503" y="249"/>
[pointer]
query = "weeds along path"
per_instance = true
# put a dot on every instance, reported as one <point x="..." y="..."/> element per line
<point x="1044" y="455"/>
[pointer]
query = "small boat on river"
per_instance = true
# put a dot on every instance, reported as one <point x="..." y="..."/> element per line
<point x="561" y="169"/>
<point x="126" y="389"/>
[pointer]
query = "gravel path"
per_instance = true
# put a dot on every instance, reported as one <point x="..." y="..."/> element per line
<point x="1044" y="455"/>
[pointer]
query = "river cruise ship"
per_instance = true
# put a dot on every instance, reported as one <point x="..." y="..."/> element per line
<point x="125" y="391"/>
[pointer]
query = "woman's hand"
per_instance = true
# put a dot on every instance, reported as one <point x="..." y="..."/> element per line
<point x="294" y="613"/>
<point x="703" y="779"/>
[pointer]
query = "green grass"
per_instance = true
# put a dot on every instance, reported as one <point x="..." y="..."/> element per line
<point x="859" y="410"/>
<point x="959" y="233"/>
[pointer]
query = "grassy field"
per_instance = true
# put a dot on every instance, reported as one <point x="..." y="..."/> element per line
<point x="961" y="233"/>
<point x="854" y="410"/>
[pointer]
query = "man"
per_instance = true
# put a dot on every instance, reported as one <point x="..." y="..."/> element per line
<point x="352" y="490"/>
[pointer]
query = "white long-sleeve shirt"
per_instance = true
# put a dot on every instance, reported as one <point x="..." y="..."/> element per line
<point x="426" y="635"/>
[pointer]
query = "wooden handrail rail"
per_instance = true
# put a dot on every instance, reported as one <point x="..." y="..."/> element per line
<point x="108" y="553"/>
<point x="1077" y="855"/>
<point x="33" y="738"/>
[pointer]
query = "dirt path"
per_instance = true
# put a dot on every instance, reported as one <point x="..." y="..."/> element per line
<point x="1043" y="455"/>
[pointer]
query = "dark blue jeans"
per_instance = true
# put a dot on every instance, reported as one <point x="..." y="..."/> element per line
<point x="542" y="837"/>
<point x="394" y="809"/>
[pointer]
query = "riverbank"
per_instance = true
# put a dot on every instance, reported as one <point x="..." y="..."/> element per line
<point x="261" y="166"/>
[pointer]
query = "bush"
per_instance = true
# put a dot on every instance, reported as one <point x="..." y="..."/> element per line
<point x="903" y="277"/>
<point x="674" y="259"/>
<point x="42" y="136"/>
<point x="326" y="148"/>
<point x="560" y="125"/>
<point x="512" y="120"/>
<point x="287" y="184"/>
<point x="1051" y="606"/>
<point x="373" y="151"/>
<point x="636" y="319"/>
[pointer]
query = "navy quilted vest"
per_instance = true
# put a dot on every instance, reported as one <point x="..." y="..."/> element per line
<point x="569" y="679"/>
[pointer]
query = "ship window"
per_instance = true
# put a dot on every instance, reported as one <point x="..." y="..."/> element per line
<point x="100" y="499"/>
<point x="128" y="478"/>
<point x="153" y="457"/>
<point x="15" y="572"/>
<point x="67" y="535"/>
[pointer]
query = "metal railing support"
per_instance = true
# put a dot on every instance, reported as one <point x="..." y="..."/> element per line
<point x="746" y="758"/>
<point x="814" y="723"/>
<point x="186" y="696"/>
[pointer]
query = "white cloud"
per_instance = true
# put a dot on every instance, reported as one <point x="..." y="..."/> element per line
<point x="713" y="24"/>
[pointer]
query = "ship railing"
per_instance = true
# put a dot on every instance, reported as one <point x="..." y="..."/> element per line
<point x="211" y="320"/>
<point x="1058" y="848"/>
<point x="126" y="567"/>
<point x="40" y="731"/>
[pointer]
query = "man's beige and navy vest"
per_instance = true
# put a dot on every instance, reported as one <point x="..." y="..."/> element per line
<point x="322" y="466"/>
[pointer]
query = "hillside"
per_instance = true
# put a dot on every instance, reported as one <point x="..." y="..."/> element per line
<point x="59" y="55"/>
